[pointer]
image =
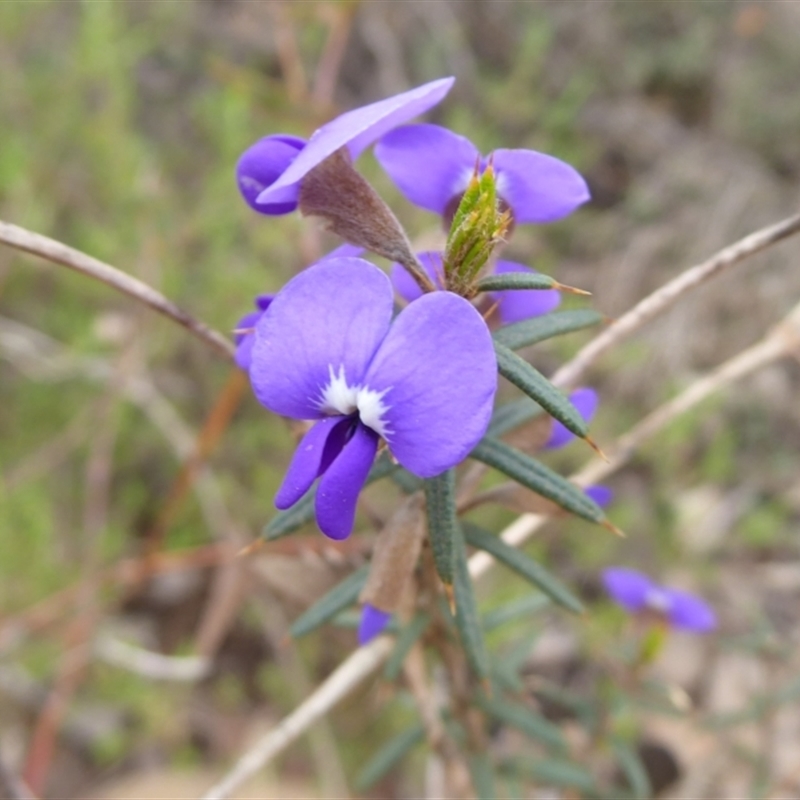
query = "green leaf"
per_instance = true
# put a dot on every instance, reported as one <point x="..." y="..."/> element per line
<point x="440" y="499"/>
<point x="390" y="754"/>
<point x="519" y="716"/>
<point x="482" y="773"/>
<point x="329" y="605"/>
<point x="302" y="512"/>
<point x="523" y="565"/>
<point x="537" y="477"/>
<point x="512" y="415"/>
<point x="631" y="765"/>
<point x="522" y="607"/>
<point x="405" y="641"/>
<point x="516" y="280"/>
<point x="467" y="619"/>
<point x="537" y="329"/>
<point x="555" y="772"/>
<point x="538" y="388"/>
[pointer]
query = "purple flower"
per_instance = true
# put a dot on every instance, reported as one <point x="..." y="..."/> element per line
<point x="635" y="592"/>
<point x="244" y="337"/>
<point x="269" y="172"/>
<point x="373" y="622"/>
<point x="327" y="349"/>
<point x="513" y="306"/>
<point x="602" y="495"/>
<point x="585" y="400"/>
<point x="432" y="167"/>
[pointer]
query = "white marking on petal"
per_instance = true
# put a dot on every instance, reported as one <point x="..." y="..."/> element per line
<point x="338" y="397"/>
<point x="657" y="600"/>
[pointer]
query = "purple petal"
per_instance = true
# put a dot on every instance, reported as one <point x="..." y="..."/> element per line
<point x="538" y="187"/>
<point x="585" y="401"/>
<point x="602" y="495"/>
<point x="316" y="451"/>
<point x="261" y="164"/>
<point x="263" y="301"/>
<point x="244" y="341"/>
<point x="429" y="164"/>
<point x="339" y="486"/>
<point x="518" y="305"/>
<point x="628" y="587"/>
<point x="357" y="130"/>
<point x="438" y="373"/>
<point x="345" y="250"/>
<point x="406" y="286"/>
<point x="689" y="612"/>
<point x="330" y="317"/>
<point x="373" y="622"/>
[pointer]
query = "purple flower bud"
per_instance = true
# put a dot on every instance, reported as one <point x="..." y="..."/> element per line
<point x="586" y="401"/>
<point x="637" y="593"/>
<point x="270" y="171"/>
<point x="602" y="495"/>
<point x="373" y="623"/>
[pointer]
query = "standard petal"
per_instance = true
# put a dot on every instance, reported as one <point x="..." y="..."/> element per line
<point x="406" y="286"/>
<point x="339" y="486"/>
<point x="690" y="612"/>
<point x="586" y="401"/>
<point x="316" y="451"/>
<point x="357" y="129"/>
<point x="436" y="373"/>
<point x="331" y="317"/>
<point x="429" y="164"/>
<point x="261" y="164"/>
<point x="628" y="587"/>
<point x="373" y="622"/>
<point x="518" y="305"/>
<point x="538" y="187"/>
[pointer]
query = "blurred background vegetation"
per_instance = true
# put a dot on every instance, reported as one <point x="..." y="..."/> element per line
<point x="120" y="127"/>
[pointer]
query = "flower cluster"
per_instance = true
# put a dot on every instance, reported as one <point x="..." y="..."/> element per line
<point x="326" y="348"/>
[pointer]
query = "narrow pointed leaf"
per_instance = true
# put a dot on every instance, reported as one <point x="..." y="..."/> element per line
<point x="632" y="768"/>
<point x="440" y="497"/>
<point x="537" y="329"/>
<point x="329" y="605"/>
<point x="523" y="565"/>
<point x="387" y="756"/>
<point x="556" y="772"/>
<point x="537" y="477"/>
<point x="512" y="415"/>
<point x="482" y="774"/>
<point x="519" y="716"/>
<point x="522" y="607"/>
<point x="302" y="512"/>
<point x="537" y="387"/>
<point x="467" y="619"/>
<point x="516" y="280"/>
<point x="406" y="639"/>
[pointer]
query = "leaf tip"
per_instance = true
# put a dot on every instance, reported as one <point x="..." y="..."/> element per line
<point x="563" y="287"/>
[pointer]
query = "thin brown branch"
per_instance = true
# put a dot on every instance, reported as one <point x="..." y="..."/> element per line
<point x="12" y="786"/>
<point x="668" y="294"/>
<point x="340" y="20"/>
<point x="59" y="253"/>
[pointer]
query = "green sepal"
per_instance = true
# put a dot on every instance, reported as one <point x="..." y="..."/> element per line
<point x="512" y="415"/>
<point x="440" y="500"/>
<point x="519" y="716"/>
<point x="302" y="512"/>
<point x="406" y="639"/>
<point x="538" y="388"/>
<point x="468" y="621"/>
<point x="329" y="605"/>
<point x="523" y="565"/>
<point x="516" y="280"/>
<point x="387" y="756"/>
<point x="538" y="329"/>
<point x="538" y="478"/>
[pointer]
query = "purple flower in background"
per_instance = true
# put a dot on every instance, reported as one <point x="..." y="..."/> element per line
<point x="327" y="349"/>
<point x="602" y="495"/>
<point x="432" y="167"/>
<point x="269" y="172"/>
<point x="513" y="306"/>
<point x="585" y="400"/>
<point x="636" y="593"/>
<point x="373" y="622"/>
